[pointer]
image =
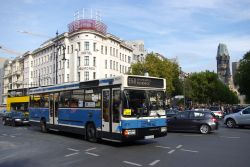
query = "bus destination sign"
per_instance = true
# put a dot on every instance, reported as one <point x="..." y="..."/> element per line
<point x="145" y="82"/>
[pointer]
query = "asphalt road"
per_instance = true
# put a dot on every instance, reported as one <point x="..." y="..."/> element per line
<point x="28" y="147"/>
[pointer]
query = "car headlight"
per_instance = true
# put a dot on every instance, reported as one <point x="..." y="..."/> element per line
<point x="163" y="129"/>
<point x="17" y="119"/>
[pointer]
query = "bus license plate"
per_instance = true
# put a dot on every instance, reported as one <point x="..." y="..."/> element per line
<point x="149" y="137"/>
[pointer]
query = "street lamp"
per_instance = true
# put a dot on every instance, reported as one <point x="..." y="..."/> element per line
<point x="58" y="46"/>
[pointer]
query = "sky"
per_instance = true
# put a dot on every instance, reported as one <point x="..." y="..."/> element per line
<point x="189" y="30"/>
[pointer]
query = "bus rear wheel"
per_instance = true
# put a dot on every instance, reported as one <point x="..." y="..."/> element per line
<point x="43" y="126"/>
<point x="91" y="133"/>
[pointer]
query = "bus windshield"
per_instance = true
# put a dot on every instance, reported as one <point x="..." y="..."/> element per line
<point x="138" y="103"/>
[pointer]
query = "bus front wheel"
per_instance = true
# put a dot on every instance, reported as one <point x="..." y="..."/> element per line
<point x="91" y="133"/>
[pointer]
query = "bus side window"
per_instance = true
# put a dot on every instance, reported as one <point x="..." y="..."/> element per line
<point x="64" y="99"/>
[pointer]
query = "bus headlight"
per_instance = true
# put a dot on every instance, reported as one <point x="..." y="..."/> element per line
<point x="129" y="132"/>
<point x="163" y="129"/>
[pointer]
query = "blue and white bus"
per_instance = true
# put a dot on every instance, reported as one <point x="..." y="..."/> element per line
<point x="118" y="109"/>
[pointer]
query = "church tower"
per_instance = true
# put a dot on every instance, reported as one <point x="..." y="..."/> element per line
<point x="223" y="64"/>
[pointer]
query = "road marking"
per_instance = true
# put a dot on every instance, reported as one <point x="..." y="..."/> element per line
<point x="96" y="155"/>
<point x="154" y="162"/>
<point x="192" y="135"/>
<point x="230" y="137"/>
<point x="190" y="151"/>
<point x="12" y="136"/>
<point x="71" y="154"/>
<point x="179" y="146"/>
<point x="90" y="149"/>
<point x="131" y="163"/>
<point x="163" y="147"/>
<point x="71" y="149"/>
<point x="4" y="134"/>
<point x="170" y="152"/>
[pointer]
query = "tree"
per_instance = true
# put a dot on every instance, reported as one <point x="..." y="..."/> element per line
<point x="159" y="68"/>
<point x="242" y="76"/>
<point x="208" y="89"/>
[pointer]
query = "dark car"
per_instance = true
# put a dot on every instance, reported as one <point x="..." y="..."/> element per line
<point x="190" y="120"/>
<point x="15" y="118"/>
<point x="171" y="112"/>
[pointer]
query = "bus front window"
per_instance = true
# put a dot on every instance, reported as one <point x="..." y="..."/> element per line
<point x="143" y="103"/>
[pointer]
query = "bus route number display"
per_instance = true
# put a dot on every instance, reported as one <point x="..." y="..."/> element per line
<point x="145" y="82"/>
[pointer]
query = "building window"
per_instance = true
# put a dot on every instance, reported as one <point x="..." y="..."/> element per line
<point x="110" y="65"/>
<point x="31" y="63"/>
<point x="72" y="48"/>
<point x="113" y="51"/>
<point x="106" y="50"/>
<point x="79" y="61"/>
<point x="86" y="60"/>
<point x="106" y="64"/>
<point x="106" y="75"/>
<point x="129" y="59"/>
<point x="116" y="66"/>
<point x="113" y="65"/>
<point x="67" y="77"/>
<point x="110" y="51"/>
<point x="79" y="46"/>
<point x="79" y="76"/>
<point x="86" y="75"/>
<point x="68" y="50"/>
<point x="94" y="61"/>
<point x="94" y="47"/>
<point x="62" y="78"/>
<point x="94" y="75"/>
<point x="86" y="46"/>
<point x="102" y="49"/>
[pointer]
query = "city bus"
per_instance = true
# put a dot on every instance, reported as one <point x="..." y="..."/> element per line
<point x="122" y="108"/>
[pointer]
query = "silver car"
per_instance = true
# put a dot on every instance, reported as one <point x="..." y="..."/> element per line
<point x="240" y="118"/>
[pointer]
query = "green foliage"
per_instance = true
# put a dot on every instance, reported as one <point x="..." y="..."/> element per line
<point x="242" y="77"/>
<point x="159" y="68"/>
<point x="207" y="88"/>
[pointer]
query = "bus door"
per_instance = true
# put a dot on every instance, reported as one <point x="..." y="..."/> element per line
<point x="116" y="107"/>
<point x="53" y="108"/>
<point x="106" y="112"/>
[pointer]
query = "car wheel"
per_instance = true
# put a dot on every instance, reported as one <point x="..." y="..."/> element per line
<point x="43" y="126"/>
<point x="204" y="129"/>
<point x="4" y="122"/>
<point x="230" y="123"/>
<point x="13" y="123"/>
<point x="91" y="133"/>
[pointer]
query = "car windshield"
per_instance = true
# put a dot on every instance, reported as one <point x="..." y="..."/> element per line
<point x="143" y="103"/>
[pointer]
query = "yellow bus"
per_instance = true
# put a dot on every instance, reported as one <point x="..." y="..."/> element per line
<point x="17" y="100"/>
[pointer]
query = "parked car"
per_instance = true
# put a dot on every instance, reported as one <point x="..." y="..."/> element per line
<point x="191" y="120"/>
<point x="217" y="111"/>
<point x="241" y="118"/>
<point x="2" y="111"/>
<point x="171" y="112"/>
<point x="15" y="118"/>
